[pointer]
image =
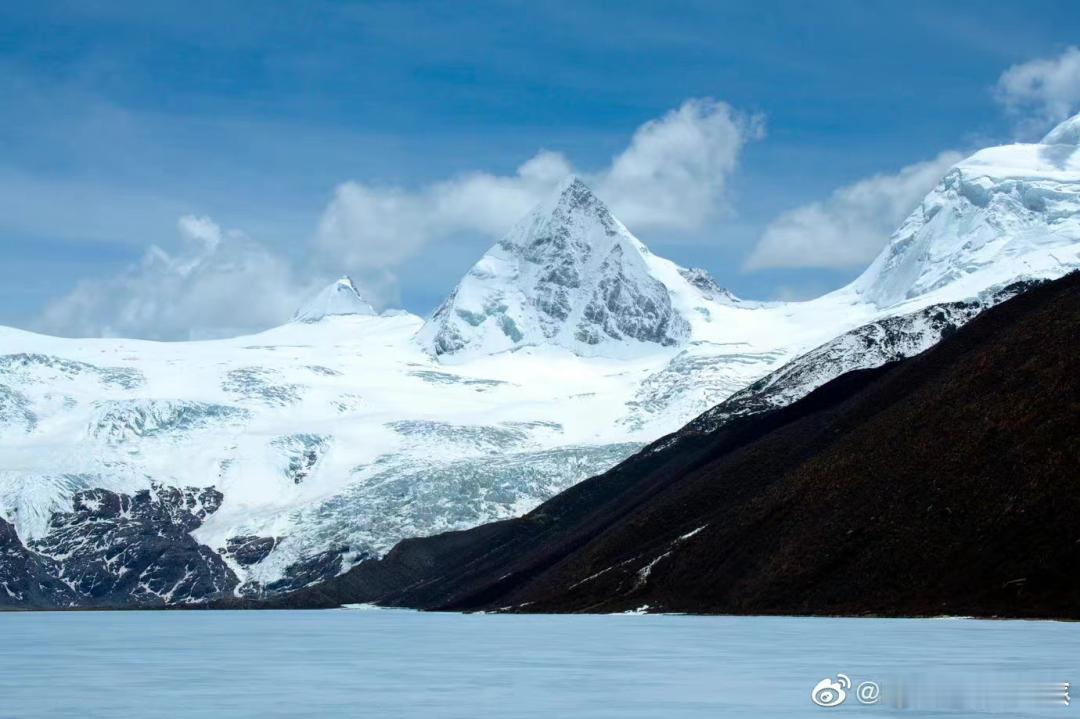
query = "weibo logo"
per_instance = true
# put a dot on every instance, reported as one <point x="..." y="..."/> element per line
<point x="830" y="693"/>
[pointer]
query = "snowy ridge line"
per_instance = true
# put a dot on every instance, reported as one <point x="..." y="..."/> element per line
<point x="866" y="347"/>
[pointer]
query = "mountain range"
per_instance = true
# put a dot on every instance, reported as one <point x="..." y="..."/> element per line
<point x="147" y="473"/>
<point x="942" y="484"/>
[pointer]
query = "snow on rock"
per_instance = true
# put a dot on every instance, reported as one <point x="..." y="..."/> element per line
<point x="128" y="420"/>
<point x="871" y="345"/>
<point x="27" y="579"/>
<point x="569" y="274"/>
<point x="337" y="298"/>
<point x="115" y="548"/>
<point x="704" y="282"/>
<point x="15" y="411"/>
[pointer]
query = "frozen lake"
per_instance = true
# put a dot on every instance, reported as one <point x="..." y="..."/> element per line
<point x="353" y="663"/>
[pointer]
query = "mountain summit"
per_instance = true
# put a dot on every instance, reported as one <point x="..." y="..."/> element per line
<point x="1005" y="213"/>
<point x="337" y="298"/>
<point x="568" y="274"/>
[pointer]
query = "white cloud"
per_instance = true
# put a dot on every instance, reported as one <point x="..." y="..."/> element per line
<point x="1048" y="88"/>
<point x="370" y="227"/>
<point x="673" y="175"/>
<point x="220" y="283"/>
<point x="850" y="227"/>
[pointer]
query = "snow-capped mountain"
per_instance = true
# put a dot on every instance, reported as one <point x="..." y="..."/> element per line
<point x="337" y="298"/>
<point x="149" y="472"/>
<point x="1004" y="212"/>
<point x="569" y="274"/>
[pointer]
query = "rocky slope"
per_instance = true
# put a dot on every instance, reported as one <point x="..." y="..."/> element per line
<point x="947" y="483"/>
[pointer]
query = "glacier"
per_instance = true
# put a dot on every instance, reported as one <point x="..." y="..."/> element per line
<point x="262" y="463"/>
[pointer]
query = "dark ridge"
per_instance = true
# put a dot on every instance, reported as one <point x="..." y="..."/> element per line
<point x="948" y="483"/>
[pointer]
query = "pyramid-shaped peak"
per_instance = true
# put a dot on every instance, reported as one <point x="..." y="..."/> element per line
<point x="569" y="274"/>
<point x="569" y="225"/>
<point x="569" y="197"/>
<point x="338" y="298"/>
<point x="573" y="190"/>
<point x="1066" y="133"/>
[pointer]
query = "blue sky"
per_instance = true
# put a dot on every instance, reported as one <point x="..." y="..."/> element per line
<point x="120" y="118"/>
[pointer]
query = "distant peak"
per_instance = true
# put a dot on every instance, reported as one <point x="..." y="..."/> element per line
<point x="1066" y="133"/>
<point x="568" y="274"/>
<point x="338" y="298"/>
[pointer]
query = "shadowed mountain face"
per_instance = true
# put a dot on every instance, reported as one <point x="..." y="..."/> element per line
<point x="948" y="483"/>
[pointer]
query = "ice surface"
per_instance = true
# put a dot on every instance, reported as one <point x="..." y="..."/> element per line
<point x="387" y="663"/>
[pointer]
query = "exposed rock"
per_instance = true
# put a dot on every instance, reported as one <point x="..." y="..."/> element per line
<point x="117" y="549"/>
<point x="27" y="579"/>
<point x="319" y="567"/>
<point x="249" y="549"/>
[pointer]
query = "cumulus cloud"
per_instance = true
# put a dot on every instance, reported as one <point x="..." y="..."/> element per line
<point x="673" y="175"/>
<point x="1046" y="89"/>
<point x="372" y="227"/>
<point x="219" y="283"/>
<point x="675" y="171"/>
<point x="850" y="227"/>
